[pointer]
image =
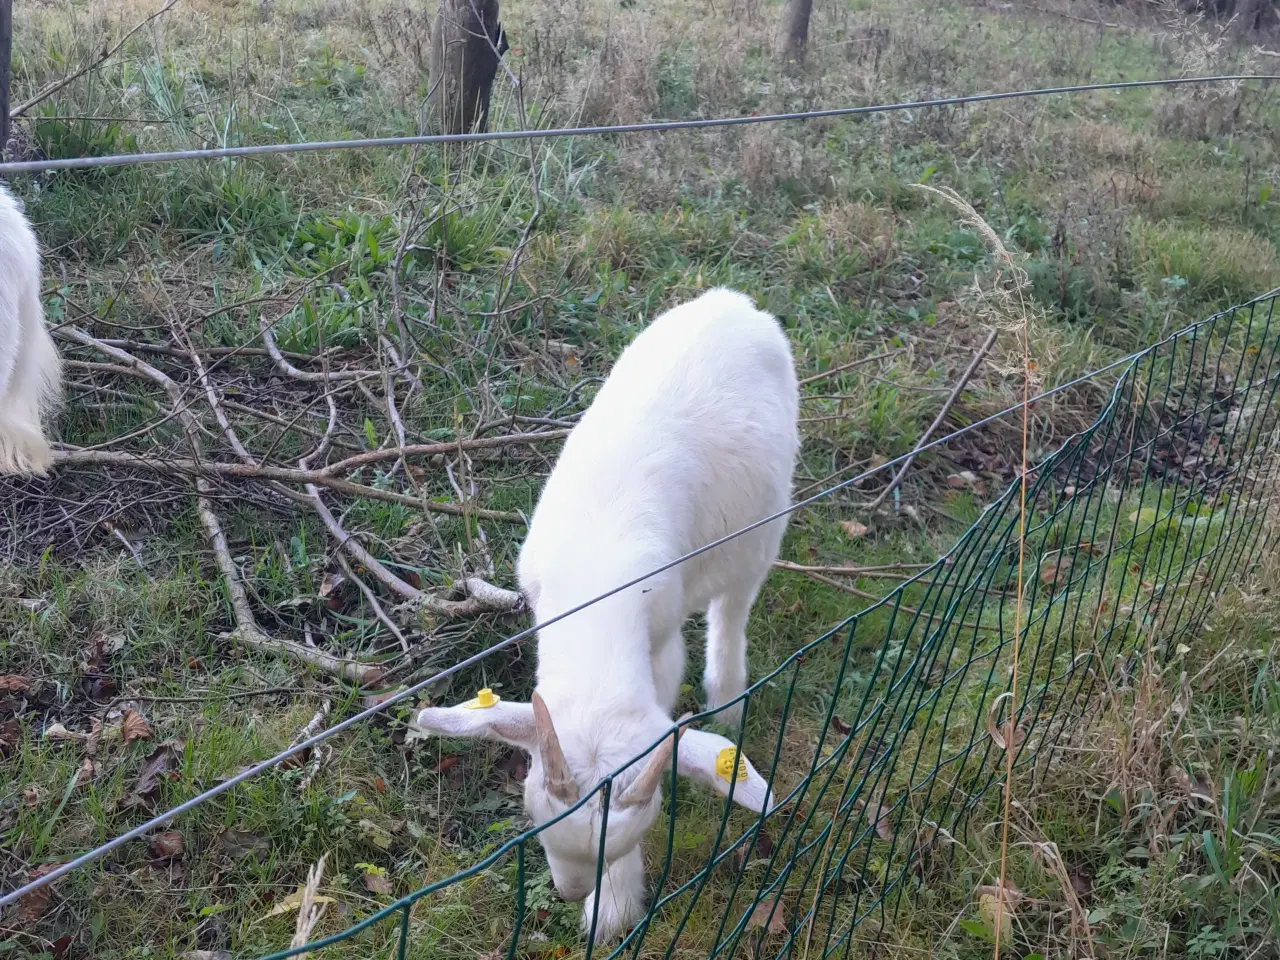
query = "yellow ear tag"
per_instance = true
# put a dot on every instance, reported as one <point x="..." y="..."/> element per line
<point x="724" y="764"/>
<point x="485" y="699"/>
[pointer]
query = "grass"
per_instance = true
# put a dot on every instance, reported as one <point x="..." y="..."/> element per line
<point x="1136" y="213"/>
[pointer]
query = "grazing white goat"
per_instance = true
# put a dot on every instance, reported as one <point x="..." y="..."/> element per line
<point x="30" y="377"/>
<point x="692" y="437"/>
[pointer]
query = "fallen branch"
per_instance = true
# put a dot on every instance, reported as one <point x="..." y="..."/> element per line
<point x="188" y="467"/>
<point x="480" y="596"/>
<point x="937" y="421"/>
<point x="306" y="376"/>
<point x="247" y="631"/>
<point x="433" y="449"/>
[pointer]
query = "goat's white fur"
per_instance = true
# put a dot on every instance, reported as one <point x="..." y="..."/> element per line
<point x="30" y="372"/>
<point x="692" y="437"/>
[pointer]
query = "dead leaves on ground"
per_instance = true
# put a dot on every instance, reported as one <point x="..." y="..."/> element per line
<point x="996" y="907"/>
<point x="166" y="845"/>
<point x="32" y="906"/>
<point x="375" y="878"/>
<point x="133" y="726"/>
<point x="242" y="844"/>
<point x="769" y="917"/>
<point x="161" y="764"/>
<point x="853" y="529"/>
<point x="12" y="683"/>
<point x="10" y="737"/>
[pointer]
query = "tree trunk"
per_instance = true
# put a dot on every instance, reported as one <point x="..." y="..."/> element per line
<point x="797" y="27"/>
<point x="466" y="42"/>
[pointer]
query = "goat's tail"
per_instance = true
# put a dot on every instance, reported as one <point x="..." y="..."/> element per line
<point x="34" y="391"/>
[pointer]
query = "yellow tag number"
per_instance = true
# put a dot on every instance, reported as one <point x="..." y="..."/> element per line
<point x="725" y="767"/>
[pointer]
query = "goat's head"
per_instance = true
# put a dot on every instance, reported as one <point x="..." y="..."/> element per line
<point x="572" y="842"/>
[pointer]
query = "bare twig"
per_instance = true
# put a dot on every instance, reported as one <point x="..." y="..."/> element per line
<point x="307" y="376"/>
<point x="852" y="571"/>
<point x="247" y="631"/>
<point x="179" y="466"/>
<point x="133" y="551"/>
<point x="937" y="421"/>
<point x="848" y="366"/>
<point x="107" y="54"/>
<point x="373" y="602"/>
<point x="480" y="597"/>
<point x="432" y="449"/>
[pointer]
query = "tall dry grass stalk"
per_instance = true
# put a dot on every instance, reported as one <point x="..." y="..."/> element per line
<point x="309" y="912"/>
<point x="1005" y="300"/>
<point x="1007" y="305"/>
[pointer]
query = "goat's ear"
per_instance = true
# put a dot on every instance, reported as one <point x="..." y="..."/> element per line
<point x="709" y="759"/>
<point x="645" y="784"/>
<point x="509" y="722"/>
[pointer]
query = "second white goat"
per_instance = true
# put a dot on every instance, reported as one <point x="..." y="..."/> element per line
<point x="30" y="375"/>
<point x="692" y="437"/>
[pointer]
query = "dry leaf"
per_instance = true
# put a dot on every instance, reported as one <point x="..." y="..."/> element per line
<point x="57" y="732"/>
<point x="377" y="882"/>
<point x="31" y="796"/>
<point x="134" y="727"/>
<point x="10" y="736"/>
<point x="88" y="771"/>
<point x="1055" y="569"/>
<point x="35" y="903"/>
<point x="993" y="911"/>
<point x="331" y="582"/>
<point x="378" y="836"/>
<point x="760" y="849"/>
<point x="768" y="916"/>
<point x="292" y="902"/>
<point x="239" y="844"/>
<point x="878" y="815"/>
<point x="1000" y="735"/>
<point x="12" y="683"/>
<point x="853" y="529"/>
<point x="166" y="845"/>
<point x="964" y="480"/>
<point x="163" y="759"/>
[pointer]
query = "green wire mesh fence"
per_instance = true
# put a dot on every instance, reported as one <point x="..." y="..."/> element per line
<point x="882" y="736"/>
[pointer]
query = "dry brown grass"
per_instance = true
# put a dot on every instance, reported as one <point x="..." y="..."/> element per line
<point x="1112" y="142"/>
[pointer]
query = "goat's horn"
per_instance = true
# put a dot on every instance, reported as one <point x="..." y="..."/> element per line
<point x="643" y="786"/>
<point x="560" y="781"/>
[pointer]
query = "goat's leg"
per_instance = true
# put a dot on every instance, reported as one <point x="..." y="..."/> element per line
<point x="668" y="670"/>
<point x="622" y="898"/>
<point x="726" y="672"/>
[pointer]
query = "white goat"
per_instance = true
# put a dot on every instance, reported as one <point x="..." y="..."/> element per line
<point x="30" y="372"/>
<point x="692" y="437"/>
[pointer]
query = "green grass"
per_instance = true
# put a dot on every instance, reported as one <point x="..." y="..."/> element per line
<point x="1137" y="212"/>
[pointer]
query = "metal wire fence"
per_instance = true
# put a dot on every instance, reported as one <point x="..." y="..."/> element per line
<point x="882" y="736"/>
